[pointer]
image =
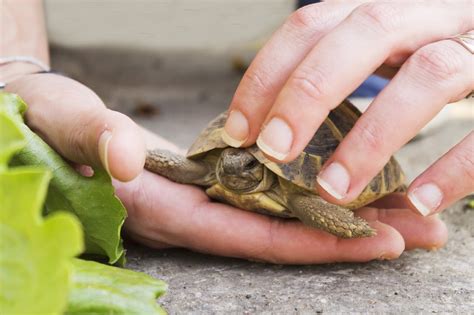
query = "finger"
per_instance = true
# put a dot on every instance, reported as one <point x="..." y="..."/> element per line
<point x="145" y="240"/>
<point x="344" y="58"/>
<point x="446" y="181"/>
<point x="434" y="76"/>
<point x="273" y="65"/>
<point x="75" y="122"/>
<point x="192" y="221"/>
<point x="417" y="232"/>
<point x="393" y="200"/>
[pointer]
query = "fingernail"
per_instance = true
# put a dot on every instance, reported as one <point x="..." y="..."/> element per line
<point x="276" y="139"/>
<point x="236" y="129"/>
<point x="104" y="140"/>
<point x="426" y="198"/>
<point x="433" y="248"/>
<point x="387" y="256"/>
<point x="335" y="180"/>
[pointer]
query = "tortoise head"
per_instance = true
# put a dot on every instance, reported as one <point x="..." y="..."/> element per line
<point x="239" y="170"/>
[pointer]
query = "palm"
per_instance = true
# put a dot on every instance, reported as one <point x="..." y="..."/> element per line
<point x="166" y="214"/>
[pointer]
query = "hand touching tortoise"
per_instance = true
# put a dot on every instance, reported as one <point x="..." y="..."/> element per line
<point x="323" y="52"/>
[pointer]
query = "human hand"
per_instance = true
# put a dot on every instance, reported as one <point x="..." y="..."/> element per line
<point x="76" y="123"/>
<point x="322" y="53"/>
<point x="166" y="214"/>
<point x="71" y="118"/>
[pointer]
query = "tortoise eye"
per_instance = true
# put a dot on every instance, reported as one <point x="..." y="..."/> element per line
<point x="251" y="164"/>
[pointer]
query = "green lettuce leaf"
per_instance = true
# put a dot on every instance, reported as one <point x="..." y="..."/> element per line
<point x="35" y="253"/>
<point x="37" y="272"/>
<point x="469" y="202"/>
<point x="102" y="289"/>
<point x="91" y="199"/>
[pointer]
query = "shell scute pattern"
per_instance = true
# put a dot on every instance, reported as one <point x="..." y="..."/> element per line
<point x="304" y="169"/>
<point x="210" y="137"/>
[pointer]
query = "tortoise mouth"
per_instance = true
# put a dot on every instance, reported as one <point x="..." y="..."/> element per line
<point x="238" y="170"/>
<point x="238" y="183"/>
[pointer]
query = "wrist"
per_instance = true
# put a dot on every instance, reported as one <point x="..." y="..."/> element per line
<point x="12" y="71"/>
<point x="23" y="37"/>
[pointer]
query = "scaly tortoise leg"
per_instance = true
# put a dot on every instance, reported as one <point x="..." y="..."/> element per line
<point x="316" y="212"/>
<point x="177" y="167"/>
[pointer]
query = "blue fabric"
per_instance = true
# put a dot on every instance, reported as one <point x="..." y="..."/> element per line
<point x="302" y="3"/>
<point x="373" y="85"/>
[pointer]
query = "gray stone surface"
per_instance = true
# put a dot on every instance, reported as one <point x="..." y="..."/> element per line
<point x="187" y="90"/>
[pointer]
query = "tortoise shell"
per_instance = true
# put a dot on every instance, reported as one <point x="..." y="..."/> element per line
<point x="304" y="169"/>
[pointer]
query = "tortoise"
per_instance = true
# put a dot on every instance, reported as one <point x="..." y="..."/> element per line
<point x="245" y="178"/>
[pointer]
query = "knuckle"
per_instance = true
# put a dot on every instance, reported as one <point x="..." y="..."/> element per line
<point x="464" y="159"/>
<point x="75" y="140"/>
<point x="308" y="84"/>
<point x="380" y="17"/>
<point x="257" y="83"/>
<point x="265" y="250"/>
<point x="438" y="61"/>
<point x="269" y="250"/>
<point x="78" y="139"/>
<point x="307" y="17"/>
<point x="370" y="134"/>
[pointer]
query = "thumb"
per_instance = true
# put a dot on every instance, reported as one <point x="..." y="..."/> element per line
<point x="120" y="145"/>
<point x="76" y="123"/>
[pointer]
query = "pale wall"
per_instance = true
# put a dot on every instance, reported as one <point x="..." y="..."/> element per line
<point x="165" y="24"/>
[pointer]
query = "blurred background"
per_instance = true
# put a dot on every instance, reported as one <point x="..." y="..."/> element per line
<point x="164" y="25"/>
<point x="172" y="65"/>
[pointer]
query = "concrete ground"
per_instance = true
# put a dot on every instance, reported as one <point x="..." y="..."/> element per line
<point x="176" y="95"/>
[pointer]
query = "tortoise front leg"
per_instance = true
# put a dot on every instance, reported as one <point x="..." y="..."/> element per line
<point x="178" y="168"/>
<point x="316" y="212"/>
